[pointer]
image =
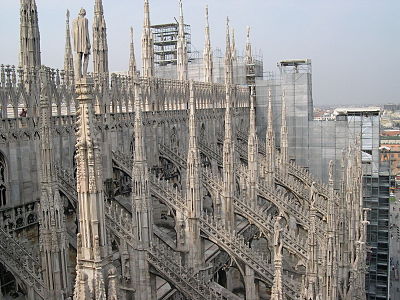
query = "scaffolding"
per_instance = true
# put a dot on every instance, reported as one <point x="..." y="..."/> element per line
<point x="165" y="40"/>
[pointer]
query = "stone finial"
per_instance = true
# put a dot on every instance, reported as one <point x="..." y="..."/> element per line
<point x="228" y="56"/>
<point x="132" y="58"/>
<point x="147" y="44"/>
<point x="182" y="58"/>
<point x="207" y="56"/>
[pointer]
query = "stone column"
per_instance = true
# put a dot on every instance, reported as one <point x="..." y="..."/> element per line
<point x="249" y="283"/>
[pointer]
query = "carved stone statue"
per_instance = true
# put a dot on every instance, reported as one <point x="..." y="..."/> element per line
<point x="277" y="231"/>
<point x="81" y="43"/>
<point x="313" y="195"/>
<point x="331" y="170"/>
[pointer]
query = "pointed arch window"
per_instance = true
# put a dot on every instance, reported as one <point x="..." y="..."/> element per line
<point x="3" y="181"/>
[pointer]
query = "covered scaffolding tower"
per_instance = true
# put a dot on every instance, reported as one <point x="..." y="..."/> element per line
<point x="165" y="37"/>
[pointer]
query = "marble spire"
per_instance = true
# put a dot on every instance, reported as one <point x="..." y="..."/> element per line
<point x="193" y="186"/>
<point x="142" y="213"/>
<point x="29" y="36"/>
<point x="270" y="144"/>
<point x="68" y="57"/>
<point x="233" y="45"/>
<point x="284" y="135"/>
<point x="132" y="59"/>
<point x="330" y="286"/>
<point x="140" y="191"/>
<point x="52" y="230"/>
<point x="252" y="145"/>
<point x="100" y="47"/>
<point x="92" y="246"/>
<point x="181" y="50"/>
<point x="147" y="44"/>
<point x="277" y="289"/>
<point x="228" y="57"/>
<point x="228" y="147"/>
<point x="228" y="162"/>
<point x="208" y="56"/>
<point x="310" y="289"/>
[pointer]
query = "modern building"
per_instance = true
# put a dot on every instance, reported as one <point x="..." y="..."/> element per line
<point x="313" y="143"/>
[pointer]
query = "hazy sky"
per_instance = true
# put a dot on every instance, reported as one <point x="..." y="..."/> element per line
<point x="354" y="44"/>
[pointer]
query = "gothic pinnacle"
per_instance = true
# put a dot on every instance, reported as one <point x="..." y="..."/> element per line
<point x="29" y="36"/>
<point x="207" y="56"/>
<point x="147" y="44"/>
<point x="68" y="57"/>
<point x="233" y="51"/>
<point x="100" y="45"/>
<point x="132" y="58"/>
<point x="270" y="143"/>
<point x="182" y="58"/>
<point x="228" y="57"/>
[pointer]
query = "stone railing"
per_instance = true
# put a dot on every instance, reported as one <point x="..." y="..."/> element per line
<point x="299" y="190"/>
<point x="20" y="88"/>
<point x="21" y="264"/>
<point x="169" y="263"/>
<point x="294" y="169"/>
<point x="236" y="246"/>
<point x="294" y="244"/>
<point x="279" y="199"/>
<point x="19" y="217"/>
<point x="160" y="255"/>
<point x="67" y="183"/>
<point x="216" y="232"/>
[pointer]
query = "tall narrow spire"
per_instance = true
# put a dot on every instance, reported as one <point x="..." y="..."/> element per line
<point x="68" y="57"/>
<point x="181" y="50"/>
<point x="52" y="230"/>
<point x="228" y="161"/>
<point x="193" y="194"/>
<point x="330" y="286"/>
<point x="284" y="134"/>
<point x="100" y="47"/>
<point x="233" y="45"/>
<point x="228" y="57"/>
<point x="29" y="35"/>
<point x="147" y="44"/>
<point x="207" y="56"/>
<point x="252" y="152"/>
<point x="92" y="248"/>
<point x="311" y="284"/>
<point x="142" y="215"/>
<point x="132" y="59"/>
<point x="270" y="144"/>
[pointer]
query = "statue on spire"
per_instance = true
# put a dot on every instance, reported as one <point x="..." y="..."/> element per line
<point x="81" y="44"/>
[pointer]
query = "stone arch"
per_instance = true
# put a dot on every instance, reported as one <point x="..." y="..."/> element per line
<point x="14" y="287"/>
<point x="132" y="146"/>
